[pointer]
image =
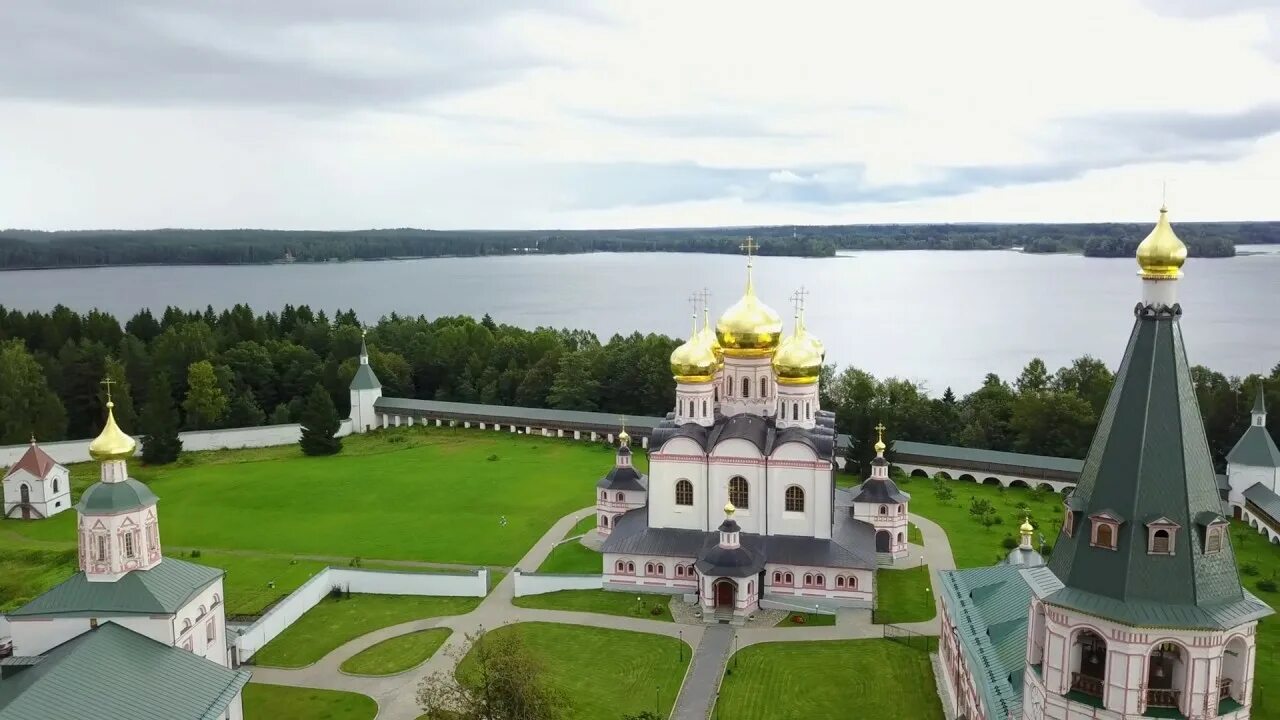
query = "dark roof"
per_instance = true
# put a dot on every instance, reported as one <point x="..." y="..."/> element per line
<point x="623" y="478"/>
<point x="512" y="415"/>
<point x="35" y="461"/>
<point x="875" y="490"/>
<point x="852" y="544"/>
<point x="759" y="431"/>
<point x="1021" y="557"/>
<point x="365" y="378"/>
<point x="1255" y="448"/>
<point x="163" y="589"/>
<point x="1149" y="458"/>
<point x="1264" y="499"/>
<point x="905" y="450"/>
<point x="742" y="561"/>
<point x="988" y="607"/>
<point x="115" y="497"/>
<point x="113" y="673"/>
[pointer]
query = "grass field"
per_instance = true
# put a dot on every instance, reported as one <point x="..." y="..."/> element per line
<point x="334" y="622"/>
<point x="398" y="653"/>
<point x="276" y="702"/>
<point x="600" y="601"/>
<point x="914" y="535"/>
<point x="26" y="572"/>
<point x="1254" y="552"/>
<point x="806" y="620"/>
<point x="572" y="557"/>
<point x="904" y="596"/>
<point x="372" y="501"/>
<point x="604" y="673"/>
<point x="829" y="680"/>
<point x="972" y="544"/>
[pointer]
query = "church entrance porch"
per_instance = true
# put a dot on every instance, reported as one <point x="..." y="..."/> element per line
<point x="884" y="541"/>
<point x="725" y="591"/>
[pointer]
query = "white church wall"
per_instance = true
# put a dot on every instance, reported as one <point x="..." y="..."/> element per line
<point x="737" y="457"/>
<point x="375" y="582"/>
<point x="198" y="619"/>
<point x="679" y="458"/>
<point x="1243" y="477"/>
<point x="77" y="451"/>
<point x="38" y="636"/>
<point x="539" y="583"/>
<point x="791" y="464"/>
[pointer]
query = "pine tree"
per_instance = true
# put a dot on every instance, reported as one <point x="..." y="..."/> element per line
<point x="244" y="411"/>
<point x="159" y="424"/>
<point x="320" y="424"/>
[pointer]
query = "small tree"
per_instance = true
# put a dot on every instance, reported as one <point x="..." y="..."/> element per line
<point x="244" y="411"/>
<point x="320" y="424"/>
<point x="205" y="403"/>
<point x="501" y="680"/>
<point x="159" y="424"/>
<point x="943" y="491"/>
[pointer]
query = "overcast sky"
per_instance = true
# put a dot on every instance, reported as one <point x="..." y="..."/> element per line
<point x="340" y="114"/>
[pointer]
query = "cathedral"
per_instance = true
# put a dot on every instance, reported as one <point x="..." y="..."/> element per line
<point x="740" y="508"/>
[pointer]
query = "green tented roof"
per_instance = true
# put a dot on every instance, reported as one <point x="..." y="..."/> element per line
<point x="163" y="589"/>
<point x="1150" y="458"/>
<point x="1255" y="448"/>
<point x="988" y="607"/>
<point x="116" y="497"/>
<point x="365" y="379"/>
<point x="113" y="673"/>
<point x="990" y="457"/>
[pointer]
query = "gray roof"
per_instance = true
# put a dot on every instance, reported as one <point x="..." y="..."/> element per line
<point x="365" y="378"/>
<point x="1260" y="402"/>
<point x="759" y="431"/>
<point x="852" y="544"/>
<point x="113" y="673"/>
<point x="115" y="497"/>
<point x="520" y="416"/>
<point x="623" y="478"/>
<point x="163" y="589"/>
<point x="1264" y="499"/>
<point x="1255" y="448"/>
<point x="874" y="490"/>
<point x="1024" y="557"/>
<point x="1150" y="458"/>
<point x="904" y="450"/>
<point x="988" y="607"/>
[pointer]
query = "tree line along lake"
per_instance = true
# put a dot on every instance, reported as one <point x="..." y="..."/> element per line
<point x="937" y="317"/>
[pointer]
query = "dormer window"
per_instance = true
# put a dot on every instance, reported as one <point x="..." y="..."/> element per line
<point x="1214" y="529"/>
<point x="1213" y="540"/>
<point x="1161" y="536"/>
<point x="1069" y="523"/>
<point x="1105" y="531"/>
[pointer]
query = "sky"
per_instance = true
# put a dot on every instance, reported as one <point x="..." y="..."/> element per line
<point x="338" y="114"/>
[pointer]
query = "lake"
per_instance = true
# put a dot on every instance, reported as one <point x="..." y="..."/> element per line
<point x="941" y="318"/>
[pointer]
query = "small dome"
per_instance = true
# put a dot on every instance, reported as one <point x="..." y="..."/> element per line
<point x="116" y="497"/>
<point x="749" y="328"/>
<point x="112" y="443"/>
<point x="1026" y="527"/>
<point x="729" y="509"/>
<point x="798" y="360"/>
<point x="694" y="361"/>
<point x="1162" y="254"/>
<point x="708" y="336"/>
<point x="624" y="438"/>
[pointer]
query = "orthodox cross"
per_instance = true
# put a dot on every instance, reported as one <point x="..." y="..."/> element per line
<point x="879" y="428"/>
<point x="705" y="295"/>
<point x="108" y="382"/>
<point x="749" y="246"/>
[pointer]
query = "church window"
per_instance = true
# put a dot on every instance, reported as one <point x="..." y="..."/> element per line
<point x="129" y="550"/>
<point x="604" y="495"/>
<point x="764" y="387"/>
<point x="1161" y="543"/>
<point x="777" y="578"/>
<point x="819" y="580"/>
<point x="738" y="492"/>
<point x="604" y="521"/>
<point x="619" y="497"/>
<point x="900" y="509"/>
<point x="808" y="414"/>
<point x="1213" y="540"/>
<point x="795" y="499"/>
<point x="648" y="568"/>
<point x="795" y="411"/>
<point x="808" y="578"/>
<point x="746" y="387"/>
<point x="899" y="537"/>
<point x="55" y="486"/>
<point x="621" y="566"/>
<point x="704" y="407"/>
<point x="884" y="510"/>
<point x="662" y="571"/>
<point x="1069" y="523"/>
<point x="631" y="567"/>
<point x="187" y="646"/>
<point x="679" y="571"/>
<point x="751" y="586"/>
<point x="102" y="548"/>
<point x="789" y="579"/>
<point x="839" y="581"/>
<point x="1104" y="535"/>
<point x="853" y="583"/>
<point x="684" y="492"/>
<point x="211" y="632"/>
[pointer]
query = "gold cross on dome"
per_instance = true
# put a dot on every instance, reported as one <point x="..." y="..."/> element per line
<point x="108" y="382"/>
<point x="750" y="246"/>
<point x="879" y="428"/>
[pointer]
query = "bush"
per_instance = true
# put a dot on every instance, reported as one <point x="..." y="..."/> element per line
<point x="1249" y="569"/>
<point x="492" y="458"/>
<point x="798" y="619"/>
<point x="397" y="439"/>
<point x="655" y="610"/>
<point x="1047" y="550"/>
<point x="1267" y="585"/>
<point x="1009" y="543"/>
<point x="195" y="553"/>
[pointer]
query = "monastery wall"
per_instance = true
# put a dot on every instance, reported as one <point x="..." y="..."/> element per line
<point x="77" y="451"/>
<point x="539" y="583"/>
<point x="375" y="582"/>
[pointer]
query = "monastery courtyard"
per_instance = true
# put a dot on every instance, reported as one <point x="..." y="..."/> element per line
<point x="439" y="500"/>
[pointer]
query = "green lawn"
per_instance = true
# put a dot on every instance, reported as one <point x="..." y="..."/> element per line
<point x="806" y="620"/>
<point x="904" y="596"/>
<point x="1253" y="551"/>
<point x="398" y="653"/>
<point x="333" y="623"/>
<point x="600" y="601"/>
<point x="277" y="702"/>
<point x="914" y="535"/>
<point x="26" y="572"/>
<point x="572" y="556"/>
<point x="847" y="480"/>
<point x="604" y="673"/>
<point x="371" y="501"/>
<point x="583" y="526"/>
<point x="829" y="680"/>
<point x="972" y="544"/>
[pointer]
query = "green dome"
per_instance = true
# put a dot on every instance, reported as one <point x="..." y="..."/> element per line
<point x="106" y="498"/>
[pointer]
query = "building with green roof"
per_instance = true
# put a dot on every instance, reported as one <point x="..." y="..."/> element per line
<point x="1253" y="471"/>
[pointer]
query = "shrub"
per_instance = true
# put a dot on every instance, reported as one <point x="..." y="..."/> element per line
<point x="1249" y="569"/>
<point x="1047" y="550"/>
<point x="1009" y="543"/>
<point x="397" y="439"/>
<point x="195" y="553"/>
<point x="492" y="458"/>
<point x="335" y="592"/>
<point x="1267" y="585"/>
<point x="655" y="610"/>
<point x="798" y="619"/>
<point x="355" y="562"/>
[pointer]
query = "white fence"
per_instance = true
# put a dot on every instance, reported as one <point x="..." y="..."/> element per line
<point x="76" y="451"/>
<point x="374" y="582"/>
<point x="539" y="583"/>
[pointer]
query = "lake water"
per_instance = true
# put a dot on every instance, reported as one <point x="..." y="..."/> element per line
<point x="942" y="318"/>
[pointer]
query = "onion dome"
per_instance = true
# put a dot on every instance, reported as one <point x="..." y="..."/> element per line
<point x="1026" y="527"/>
<point x="749" y="328"/>
<point x="709" y="337"/>
<point x="624" y="438"/>
<point x="798" y="360"/>
<point x="729" y="509"/>
<point x="694" y="361"/>
<point x="1161" y="255"/>
<point x="112" y="443"/>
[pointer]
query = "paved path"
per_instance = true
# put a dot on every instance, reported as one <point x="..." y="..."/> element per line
<point x="396" y="694"/>
<point x="702" y="683"/>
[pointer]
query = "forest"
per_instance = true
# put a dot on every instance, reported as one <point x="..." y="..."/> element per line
<point x="237" y="368"/>
<point x="20" y="249"/>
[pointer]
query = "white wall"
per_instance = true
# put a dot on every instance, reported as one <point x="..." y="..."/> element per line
<point x="1242" y="477"/>
<point x="215" y="650"/>
<point x="539" y="583"/>
<point x="38" y="636"/>
<point x="815" y="521"/>
<point x="678" y="458"/>
<point x="4" y="627"/>
<point x="75" y="451"/>
<point x="376" y="582"/>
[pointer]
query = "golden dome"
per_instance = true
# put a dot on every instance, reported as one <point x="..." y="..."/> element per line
<point x="798" y="360"/>
<point x="624" y="438"/>
<point x="1161" y="255"/>
<point x="729" y="509"/>
<point x="709" y="337"/>
<point x="749" y="328"/>
<point x="112" y="443"/>
<point x="694" y="361"/>
<point x="880" y="446"/>
<point x="1026" y="528"/>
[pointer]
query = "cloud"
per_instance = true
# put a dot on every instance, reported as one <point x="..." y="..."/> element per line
<point x="694" y="125"/>
<point x="322" y="53"/>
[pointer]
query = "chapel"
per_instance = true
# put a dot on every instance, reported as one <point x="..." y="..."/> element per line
<point x="36" y="487"/>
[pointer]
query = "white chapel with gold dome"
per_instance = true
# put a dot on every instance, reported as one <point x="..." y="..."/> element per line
<point x="740" y="508"/>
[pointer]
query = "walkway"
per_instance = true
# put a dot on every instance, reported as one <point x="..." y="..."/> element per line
<point x="396" y="695"/>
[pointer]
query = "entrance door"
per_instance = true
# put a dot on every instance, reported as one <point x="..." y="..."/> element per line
<point x="25" y="499"/>
<point x="724" y="593"/>
<point x="883" y="541"/>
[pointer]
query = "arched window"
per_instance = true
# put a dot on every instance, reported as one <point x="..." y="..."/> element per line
<point x="648" y="568"/>
<point x="795" y="499"/>
<point x="808" y="414"/>
<point x="853" y="583"/>
<point x="216" y="599"/>
<point x="899" y="537"/>
<point x="604" y="521"/>
<point x="738" y="492"/>
<point x="819" y="580"/>
<point x="808" y="578"/>
<point x="604" y="495"/>
<point x="764" y="387"/>
<point x="621" y="566"/>
<point x="795" y="411"/>
<point x="186" y="625"/>
<point x="684" y="492"/>
<point x="704" y="407"/>
<point x="619" y="497"/>
<point x="661" y="570"/>
<point x="777" y="577"/>
<point x="679" y="571"/>
<point x="839" y="581"/>
<point x="631" y="567"/>
<point x="884" y="510"/>
<point x="746" y="387"/>
<point x="789" y="579"/>
<point x="901" y="509"/>
<point x="55" y="486"/>
<point x="751" y="586"/>
<point x="1160" y="542"/>
<point x="1090" y="652"/>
